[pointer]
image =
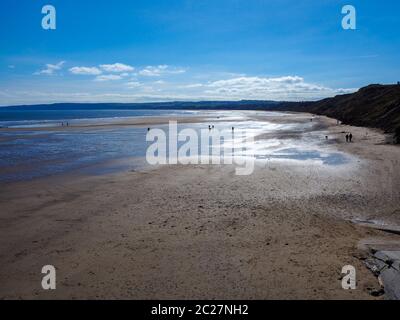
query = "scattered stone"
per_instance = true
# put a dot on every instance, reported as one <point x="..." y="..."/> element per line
<point x="377" y="293"/>
<point x="386" y="266"/>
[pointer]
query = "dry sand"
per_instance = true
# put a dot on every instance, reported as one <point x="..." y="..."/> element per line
<point x="201" y="232"/>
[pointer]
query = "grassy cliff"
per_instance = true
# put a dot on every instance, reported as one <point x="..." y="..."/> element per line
<point x="372" y="106"/>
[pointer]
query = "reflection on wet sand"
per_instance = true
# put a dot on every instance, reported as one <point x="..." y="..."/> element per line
<point x="29" y="153"/>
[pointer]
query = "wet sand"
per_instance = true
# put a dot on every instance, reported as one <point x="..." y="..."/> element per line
<point x="201" y="232"/>
<point x="110" y="123"/>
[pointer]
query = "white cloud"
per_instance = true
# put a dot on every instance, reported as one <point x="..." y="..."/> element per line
<point x="157" y="71"/>
<point x="117" y="67"/>
<point x="199" y="86"/>
<point x="133" y="84"/>
<point x="161" y="82"/>
<point x="108" y="77"/>
<point x="85" y="70"/>
<point x="256" y="82"/>
<point x="192" y="86"/>
<point x="277" y="88"/>
<point x="51" y="68"/>
<point x="287" y="88"/>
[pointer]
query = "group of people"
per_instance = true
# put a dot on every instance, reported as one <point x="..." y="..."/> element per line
<point x="64" y="124"/>
<point x="212" y="127"/>
<point x="349" y="137"/>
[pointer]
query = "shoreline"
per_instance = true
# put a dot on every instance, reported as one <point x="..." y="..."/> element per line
<point x="196" y="232"/>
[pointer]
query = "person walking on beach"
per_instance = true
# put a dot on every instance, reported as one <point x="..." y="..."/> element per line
<point x="350" y="137"/>
<point x="347" y="138"/>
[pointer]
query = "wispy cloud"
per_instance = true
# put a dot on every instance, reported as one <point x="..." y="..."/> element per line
<point x="191" y="86"/>
<point x="51" y="68"/>
<point x="121" y="70"/>
<point x="125" y="70"/>
<point x="157" y="71"/>
<point x="85" y="70"/>
<point x="291" y="88"/>
<point x="286" y="87"/>
<point x="133" y="84"/>
<point x="108" y="77"/>
<point x="160" y="83"/>
<point x="117" y="67"/>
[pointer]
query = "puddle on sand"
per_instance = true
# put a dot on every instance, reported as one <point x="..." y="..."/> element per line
<point x="327" y="158"/>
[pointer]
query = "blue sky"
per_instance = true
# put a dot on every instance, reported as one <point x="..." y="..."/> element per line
<point x="160" y="50"/>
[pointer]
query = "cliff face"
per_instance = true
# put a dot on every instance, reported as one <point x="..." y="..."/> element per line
<point x="372" y="106"/>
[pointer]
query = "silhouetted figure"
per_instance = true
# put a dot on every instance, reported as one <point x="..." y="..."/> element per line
<point x="326" y="137"/>
<point x="233" y="128"/>
<point x="350" y="137"/>
<point x="148" y="129"/>
<point x="209" y="127"/>
<point x="347" y="138"/>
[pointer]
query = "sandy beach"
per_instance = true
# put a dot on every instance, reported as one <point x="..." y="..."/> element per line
<point x="202" y="232"/>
